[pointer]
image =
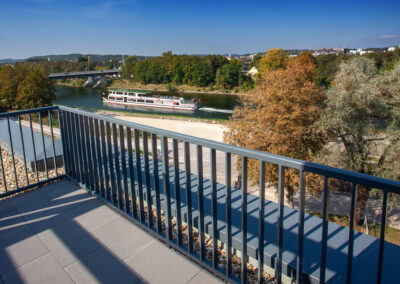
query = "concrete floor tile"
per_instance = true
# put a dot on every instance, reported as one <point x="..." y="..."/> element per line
<point x="19" y="248"/>
<point x="102" y="267"/>
<point x="122" y="237"/>
<point x="69" y="242"/>
<point x="10" y="219"/>
<point x="42" y="270"/>
<point x="159" y="264"/>
<point x="205" y="277"/>
<point x="92" y="214"/>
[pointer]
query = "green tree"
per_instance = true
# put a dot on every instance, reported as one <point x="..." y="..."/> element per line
<point x="36" y="90"/>
<point x="24" y="87"/>
<point x="231" y="74"/>
<point x="353" y="117"/>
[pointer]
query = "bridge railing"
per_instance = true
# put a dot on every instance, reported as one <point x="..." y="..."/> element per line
<point x="121" y="162"/>
<point x="31" y="155"/>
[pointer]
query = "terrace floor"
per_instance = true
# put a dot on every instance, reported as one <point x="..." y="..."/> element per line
<point x="62" y="234"/>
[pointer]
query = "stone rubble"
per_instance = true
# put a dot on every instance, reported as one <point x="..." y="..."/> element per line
<point x="8" y="171"/>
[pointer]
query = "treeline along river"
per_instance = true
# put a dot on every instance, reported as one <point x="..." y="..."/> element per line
<point x="210" y="105"/>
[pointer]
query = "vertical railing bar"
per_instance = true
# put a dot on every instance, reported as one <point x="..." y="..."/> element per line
<point x="70" y="145"/>
<point x="188" y="196"/>
<point x="213" y="173"/>
<point x="64" y="139"/>
<point x="23" y="149"/>
<point x="107" y="186"/>
<point x="228" y="202"/>
<point x="112" y="194"/>
<point x="156" y="182"/>
<point x="33" y="147"/>
<point x="44" y="146"/>
<point x="200" y="200"/>
<point x="95" y="162"/>
<point x="99" y="157"/>
<point x="244" y="220"/>
<point x="177" y="192"/>
<point x="123" y="163"/>
<point x="79" y="133"/>
<point x="261" y="209"/>
<point x="382" y="237"/>
<point x="52" y="143"/>
<point x="139" y="175"/>
<point x="3" y="172"/>
<point x="131" y="172"/>
<point x="12" y="153"/>
<point x="89" y="153"/>
<point x="71" y="167"/>
<point x="281" y="202"/>
<point x="300" y="235"/>
<point x="325" y="215"/>
<point x="84" y="152"/>
<point x="351" y="235"/>
<point x="147" y="178"/>
<point x="79" y="148"/>
<point x="117" y="164"/>
<point x="166" y="188"/>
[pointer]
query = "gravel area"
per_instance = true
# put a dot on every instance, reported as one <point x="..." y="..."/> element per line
<point x="7" y="173"/>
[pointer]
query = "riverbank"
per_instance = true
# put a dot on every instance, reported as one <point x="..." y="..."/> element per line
<point x="129" y="84"/>
<point x="210" y="130"/>
<point x="77" y="83"/>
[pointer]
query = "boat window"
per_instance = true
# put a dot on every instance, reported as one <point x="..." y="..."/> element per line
<point x="140" y="101"/>
<point x="149" y="101"/>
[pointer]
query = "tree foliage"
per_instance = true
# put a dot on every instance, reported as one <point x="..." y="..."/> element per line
<point x="274" y="59"/>
<point x="187" y="69"/>
<point x="355" y="115"/>
<point x="22" y="87"/>
<point x="277" y="118"/>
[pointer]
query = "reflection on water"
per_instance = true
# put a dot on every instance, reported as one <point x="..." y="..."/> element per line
<point x="210" y="106"/>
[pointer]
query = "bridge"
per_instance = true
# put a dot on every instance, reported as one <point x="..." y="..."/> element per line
<point x="83" y="74"/>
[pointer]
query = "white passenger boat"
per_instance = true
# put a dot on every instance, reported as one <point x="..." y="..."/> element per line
<point x="145" y="99"/>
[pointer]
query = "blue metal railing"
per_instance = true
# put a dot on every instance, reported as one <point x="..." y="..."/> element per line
<point x="114" y="160"/>
<point x="102" y="165"/>
<point x="29" y="148"/>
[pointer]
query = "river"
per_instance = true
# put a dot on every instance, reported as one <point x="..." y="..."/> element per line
<point x="210" y="105"/>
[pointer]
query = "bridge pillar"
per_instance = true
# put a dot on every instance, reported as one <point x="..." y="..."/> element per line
<point x="89" y="82"/>
<point x="100" y="82"/>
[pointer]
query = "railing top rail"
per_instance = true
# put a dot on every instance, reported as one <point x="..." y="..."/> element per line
<point x="26" y="111"/>
<point x="330" y="172"/>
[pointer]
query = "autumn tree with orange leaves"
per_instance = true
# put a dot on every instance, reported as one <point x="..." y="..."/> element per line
<point x="277" y="118"/>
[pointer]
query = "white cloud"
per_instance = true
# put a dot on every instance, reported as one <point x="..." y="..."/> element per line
<point x="388" y="36"/>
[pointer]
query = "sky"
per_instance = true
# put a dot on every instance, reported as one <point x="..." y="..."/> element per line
<point x="150" y="27"/>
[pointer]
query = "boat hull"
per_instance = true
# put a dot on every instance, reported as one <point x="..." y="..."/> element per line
<point x="149" y="105"/>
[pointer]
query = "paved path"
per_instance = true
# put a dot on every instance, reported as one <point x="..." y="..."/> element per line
<point x="61" y="234"/>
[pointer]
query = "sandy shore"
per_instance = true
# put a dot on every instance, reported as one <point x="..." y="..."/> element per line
<point x="211" y="131"/>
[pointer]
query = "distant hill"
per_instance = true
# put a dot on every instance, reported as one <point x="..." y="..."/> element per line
<point x="68" y="57"/>
<point x="10" y="61"/>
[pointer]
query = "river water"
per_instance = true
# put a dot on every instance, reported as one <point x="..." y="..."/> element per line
<point x="210" y="105"/>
